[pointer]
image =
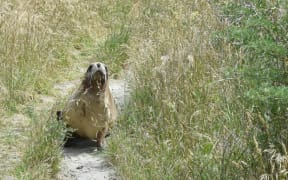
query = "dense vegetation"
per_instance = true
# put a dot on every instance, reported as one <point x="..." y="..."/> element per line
<point x="209" y="93"/>
<point x="258" y="32"/>
<point x="217" y="106"/>
<point x="43" y="43"/>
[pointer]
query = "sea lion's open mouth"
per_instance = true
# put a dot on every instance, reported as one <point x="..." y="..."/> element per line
<point x="99" y="79"/>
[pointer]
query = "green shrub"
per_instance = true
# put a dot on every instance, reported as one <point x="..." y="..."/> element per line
<point x="258" y="31"/>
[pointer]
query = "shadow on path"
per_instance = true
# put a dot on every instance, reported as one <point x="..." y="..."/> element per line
<point x="81" y="159"/>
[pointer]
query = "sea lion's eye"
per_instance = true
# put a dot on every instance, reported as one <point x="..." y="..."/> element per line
<point x="90" y="68"/>
<point x="106" y="69"/>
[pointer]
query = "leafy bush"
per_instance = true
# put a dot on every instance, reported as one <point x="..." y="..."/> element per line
<point x="258" y="31"/>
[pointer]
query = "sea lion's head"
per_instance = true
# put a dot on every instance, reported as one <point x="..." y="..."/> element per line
<point x="96" y="77"/>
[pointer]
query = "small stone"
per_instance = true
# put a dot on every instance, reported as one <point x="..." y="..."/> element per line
<point x="80" y="167"/>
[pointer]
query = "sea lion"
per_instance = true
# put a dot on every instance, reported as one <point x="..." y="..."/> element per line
<point x="91" y="110"/>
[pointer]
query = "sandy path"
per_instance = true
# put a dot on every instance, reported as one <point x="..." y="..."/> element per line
<point x="81" y="160"/>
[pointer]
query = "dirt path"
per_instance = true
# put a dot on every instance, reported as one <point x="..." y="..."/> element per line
<point x="81" y="160"/>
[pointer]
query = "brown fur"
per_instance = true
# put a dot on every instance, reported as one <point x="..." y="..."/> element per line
<point x="91" y="110"/>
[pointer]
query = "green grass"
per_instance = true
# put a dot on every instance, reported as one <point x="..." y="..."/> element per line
<point x="216" y="109"/>
<point x="260" y="54"/>
<point x="167" y="131"/>
<point x="42" y="43"/>
<point x="113" y="50"/>
<point x="43" y="148"/>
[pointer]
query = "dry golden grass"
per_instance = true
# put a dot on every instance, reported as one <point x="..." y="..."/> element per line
<point x="168" y="125"/>
<point x="187" y="117"/>
<point x="42" y="42"/>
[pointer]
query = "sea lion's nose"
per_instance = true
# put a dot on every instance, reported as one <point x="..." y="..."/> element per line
<point x="98" y="65"/>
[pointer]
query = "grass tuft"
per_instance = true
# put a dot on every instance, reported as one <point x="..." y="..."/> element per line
<point x="43" y="149"/>
<point x="113" y="50"/>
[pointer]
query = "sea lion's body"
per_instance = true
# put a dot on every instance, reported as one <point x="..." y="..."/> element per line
<point x="91" y="110"/>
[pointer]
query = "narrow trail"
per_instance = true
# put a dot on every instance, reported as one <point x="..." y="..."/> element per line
<point x="81" y="160"/>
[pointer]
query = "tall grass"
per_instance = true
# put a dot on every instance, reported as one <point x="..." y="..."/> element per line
<point x="172" y="126"/>
<point x="209" y="97"/>
<point x="113" y="49"/>
<point x="36" y="38"/>
<point x="257" y="31"/>
<point x="40" y="43"/>
<point x="198" y="109"/>
<point x="43" y="149"/>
